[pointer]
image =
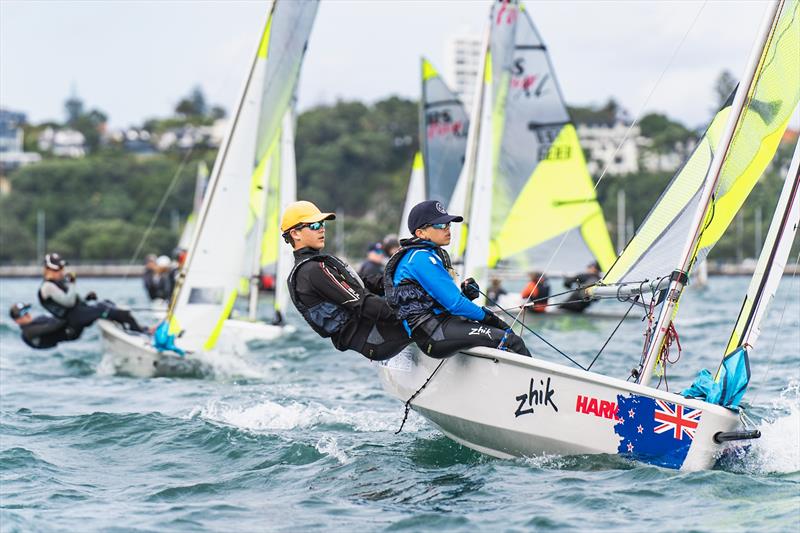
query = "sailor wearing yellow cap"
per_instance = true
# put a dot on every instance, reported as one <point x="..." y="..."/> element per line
<point x="330" y="296"/>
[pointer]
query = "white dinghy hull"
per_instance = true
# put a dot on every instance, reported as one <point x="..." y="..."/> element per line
<point x="236" y="331"/>
<point x="133" y="354"/>
<point x="506" y="405"/>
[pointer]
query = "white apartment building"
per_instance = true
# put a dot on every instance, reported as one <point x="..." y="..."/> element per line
<point x="462" y="64"/>
<point x="607" y="148"/>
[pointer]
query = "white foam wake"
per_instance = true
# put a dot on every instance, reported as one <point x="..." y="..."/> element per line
<point x="268" y="415"/>
<point x="778" y="449"/>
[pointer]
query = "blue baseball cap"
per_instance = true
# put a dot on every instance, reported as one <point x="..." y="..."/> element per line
<point x="429" y="212"/>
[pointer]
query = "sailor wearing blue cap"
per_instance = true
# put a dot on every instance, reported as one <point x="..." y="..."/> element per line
<point x="420" y="287"/>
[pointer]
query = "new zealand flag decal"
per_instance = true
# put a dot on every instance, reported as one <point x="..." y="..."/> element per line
<point x="655" y="431"/>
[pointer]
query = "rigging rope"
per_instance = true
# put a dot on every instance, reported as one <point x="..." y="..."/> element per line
<point x="408" y="402"/>
<point x="167" y="193"/>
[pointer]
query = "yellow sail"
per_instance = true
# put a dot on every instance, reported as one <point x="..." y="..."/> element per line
<point x="774" y="96"/>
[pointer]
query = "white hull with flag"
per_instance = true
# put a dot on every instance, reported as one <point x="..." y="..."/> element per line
<point x="508" y="405"/>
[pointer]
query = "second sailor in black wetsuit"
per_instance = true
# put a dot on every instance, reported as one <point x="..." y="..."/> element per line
<point x="330" y="296"/>
<point x="43" y="331"/>
<point x="59" y="296"/>
<point x="579" y="299"/>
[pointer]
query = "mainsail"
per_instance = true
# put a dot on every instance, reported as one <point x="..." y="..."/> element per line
<point x="443" y="142"/>
<point x="208" y="288"/>
<point x="655" y="248"/>
<point x="533" y="194"/>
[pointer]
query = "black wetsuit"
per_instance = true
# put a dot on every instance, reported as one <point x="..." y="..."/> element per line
<point x="333" y="301"/>
<point x="159" y="285"/>
<point x="578" y="300"/>
<point x="62" y="301"/>
<point x="370" y="268"/>
<point x="433" y="324"/>
<point x="45" y="332"/>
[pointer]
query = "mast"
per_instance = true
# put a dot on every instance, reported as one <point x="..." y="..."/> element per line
<point x="423" y="145"/>
<point x="680" y="275"/>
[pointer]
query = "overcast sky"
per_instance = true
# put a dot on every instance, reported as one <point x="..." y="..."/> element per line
<point x="136" y="59"/>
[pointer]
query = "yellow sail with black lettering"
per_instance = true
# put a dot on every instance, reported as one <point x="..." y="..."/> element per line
<point x="544" y="207"/>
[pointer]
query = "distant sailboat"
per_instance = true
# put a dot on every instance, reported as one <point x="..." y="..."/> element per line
<point x="258" y="142"/>
<point x="508" y="405"/>
<point x="201" y="182"/>
<point x="443" y="141"/>
<point x="528" y="190"/>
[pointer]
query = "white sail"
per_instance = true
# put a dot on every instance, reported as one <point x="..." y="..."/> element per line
<point x="200" y="184"/>
<point x="288" y="194"/>
<point x="771" y="262"/>
<point x="415" y="193"/>
<point x="208" y="290"/>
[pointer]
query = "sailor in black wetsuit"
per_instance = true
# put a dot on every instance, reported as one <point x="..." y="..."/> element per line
<point x="330" y="296"/>
<point x="43" y="331"/>
<point x="579" y="299"/>
<point x="59" y="296"/>
<point x="420" y="287"/>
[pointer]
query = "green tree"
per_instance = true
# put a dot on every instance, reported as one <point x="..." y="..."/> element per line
<point x="666" y="134"/>
<point x="723" y="88"/>
<point x="193" y="105"/>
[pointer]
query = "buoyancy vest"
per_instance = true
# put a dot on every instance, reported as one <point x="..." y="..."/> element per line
<point x="325" y="318"/>
<point x="409" y="300"/>
<point x="52" y="306"/>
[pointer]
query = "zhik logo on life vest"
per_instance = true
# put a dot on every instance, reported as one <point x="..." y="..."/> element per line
<point x="600" y="408"/>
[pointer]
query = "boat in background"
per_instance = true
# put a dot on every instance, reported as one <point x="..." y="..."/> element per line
<point x="258" y="148"/>
<point x="526" y="194"/>
<point x="507" y="405"/>
<point x="443" y="131"/>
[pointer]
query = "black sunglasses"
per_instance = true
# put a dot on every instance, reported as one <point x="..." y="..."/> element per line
<point x="313" y="226"/>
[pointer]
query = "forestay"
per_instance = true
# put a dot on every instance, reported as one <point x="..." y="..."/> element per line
<point x="216" y="258"/>
<point x="655" y="248"/>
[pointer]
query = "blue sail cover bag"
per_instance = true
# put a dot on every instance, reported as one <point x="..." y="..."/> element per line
<point x="733" y="380"/>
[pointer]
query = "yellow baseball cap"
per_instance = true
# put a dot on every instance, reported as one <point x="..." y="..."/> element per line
<point x="302" y="212"/>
